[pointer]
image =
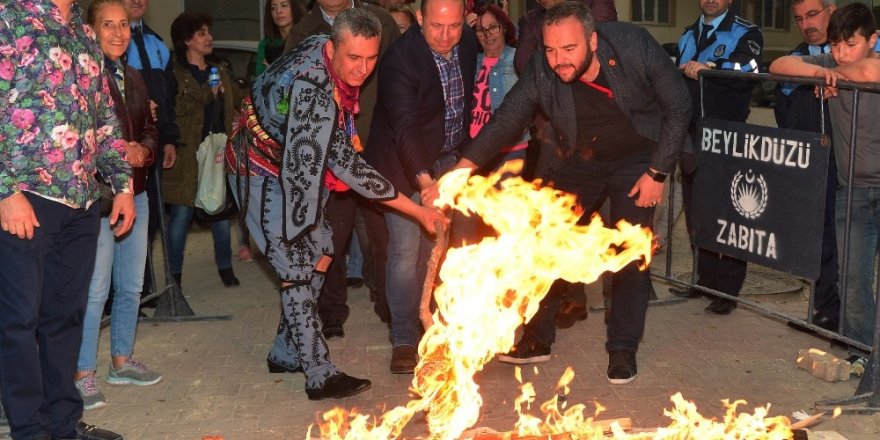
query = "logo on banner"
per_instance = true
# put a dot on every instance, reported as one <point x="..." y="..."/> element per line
<point x="748" y="193"/>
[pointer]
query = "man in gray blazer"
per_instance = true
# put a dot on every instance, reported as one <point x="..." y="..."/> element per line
<point x="621" y="110"/>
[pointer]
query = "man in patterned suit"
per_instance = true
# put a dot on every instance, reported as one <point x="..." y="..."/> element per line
<point x="293" y="147"/>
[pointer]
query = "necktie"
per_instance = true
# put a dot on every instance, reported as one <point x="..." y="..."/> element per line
<point x="704" y="37"/>
<point x="137" y="36"/>
<point x="119" y="77"/>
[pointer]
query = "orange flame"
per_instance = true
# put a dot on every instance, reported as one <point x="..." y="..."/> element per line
<point x="488" y="290"/>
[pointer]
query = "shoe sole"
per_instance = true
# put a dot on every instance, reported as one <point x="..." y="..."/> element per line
<point x="524" y="361"/>
<point x="353" y="393"/>
<point x="622" y="381"/>
<point x="97" y="405"/>
<point x="125" y="381"/>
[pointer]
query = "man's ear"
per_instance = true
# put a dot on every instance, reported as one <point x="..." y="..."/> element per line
<point x="594" y="41"/>
<point x="872" y="42"/>
<point x="419" y="16"/>
<point x="331" y="49"/>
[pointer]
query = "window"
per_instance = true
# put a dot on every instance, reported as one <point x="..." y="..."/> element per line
<point x="771" y="14"/>
<point x="233" y="19"/>
<point x="652" y="11"/>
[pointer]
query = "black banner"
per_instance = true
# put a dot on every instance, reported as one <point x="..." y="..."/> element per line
<point x="759" y="194"/>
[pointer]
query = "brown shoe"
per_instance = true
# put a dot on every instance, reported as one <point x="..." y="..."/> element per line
<point x="570" y="313"/>
<point x="404" y="359"/>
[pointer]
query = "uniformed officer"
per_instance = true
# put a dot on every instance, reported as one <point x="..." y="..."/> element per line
<point x="798" y="108"/>
<point x="719" y="39"/>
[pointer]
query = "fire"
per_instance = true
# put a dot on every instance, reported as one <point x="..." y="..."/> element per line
<point x="488" y="290"/>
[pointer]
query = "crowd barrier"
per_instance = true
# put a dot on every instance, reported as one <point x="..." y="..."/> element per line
<point x="868" y="391"/>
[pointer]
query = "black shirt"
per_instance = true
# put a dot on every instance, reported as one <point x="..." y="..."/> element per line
<point x="604" y="132"/>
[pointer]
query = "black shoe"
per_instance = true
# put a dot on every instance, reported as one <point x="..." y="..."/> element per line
<point x="339" y="386"/>
<point x="275" y="367"/>
<point x="404" y="359"/>
<point x="228" y="277"/>
<point x="355" y="282"/>
<point x="830" y="324"/>
<point x="569" y="314"/>
<point x="720" y="306"/>
<point x="92" y="432"/>
<point x="622" y="367"/>
<point x="333" y="330"/>
<point x="685" y="293"/>
<point x="527" y="351"/>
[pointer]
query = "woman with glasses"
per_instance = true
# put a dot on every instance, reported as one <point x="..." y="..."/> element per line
<point x="495" y="75"/>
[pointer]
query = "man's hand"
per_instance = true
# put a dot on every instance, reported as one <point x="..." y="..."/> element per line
<point x="692" y="69"/>
<point x="153" y="107"/>
<point x="831" y="77"/>
<point x="136" y="153"/>
<point x="17" y="216"/>
<point x="650" y="192"/>
<point x="169" y="154"/>
<point x="122" y="215"/>
<point x="428" y="216"/>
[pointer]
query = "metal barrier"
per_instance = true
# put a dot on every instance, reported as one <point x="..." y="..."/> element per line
<point x="868" y="390"/>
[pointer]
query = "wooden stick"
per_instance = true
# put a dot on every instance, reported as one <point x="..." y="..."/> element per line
<point x="809" y="421"/>
<point x="488" y="434"/>
<point x="437" y="254"/>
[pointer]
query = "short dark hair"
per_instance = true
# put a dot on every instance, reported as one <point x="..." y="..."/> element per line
<point x="360" y="22"/>
<point x="571" y="8"/>
<point x="96" y="5"/>
<point x="404" y="9"/>
<point x="849" y="20"/>
<point x="183" y="28"/>
<point x="503" y="20"/>
<point x="270" y="29"/>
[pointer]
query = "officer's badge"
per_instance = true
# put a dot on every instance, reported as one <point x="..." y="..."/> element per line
<point x="754" y="47"/>
<point x="719" y="50"/>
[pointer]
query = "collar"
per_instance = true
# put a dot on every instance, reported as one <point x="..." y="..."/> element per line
<point x="327" y="17"/>
<point x="818" y="49"/>
<point x="441" y="58"/>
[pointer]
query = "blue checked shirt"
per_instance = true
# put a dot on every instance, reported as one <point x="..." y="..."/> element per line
<point x="453" y="93"/>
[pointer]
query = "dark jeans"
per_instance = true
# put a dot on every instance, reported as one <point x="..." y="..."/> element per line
<point x="43" y="291"/>
<point x="593" y="182"/>
<point x="332" y="302"/>
<point x="715" y="271"/>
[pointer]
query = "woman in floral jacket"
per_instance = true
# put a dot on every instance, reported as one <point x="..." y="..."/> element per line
<point x="201" y="110"/>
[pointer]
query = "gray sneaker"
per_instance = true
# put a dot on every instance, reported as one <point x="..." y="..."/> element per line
<point x="132" y="373"/>
<point x="88" y="390"/>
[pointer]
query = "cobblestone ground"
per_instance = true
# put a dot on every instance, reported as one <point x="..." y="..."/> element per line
<point x="216" y="382"/>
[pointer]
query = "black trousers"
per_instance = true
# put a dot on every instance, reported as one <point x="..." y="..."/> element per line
<point x="714" y="271"/>
<point x="333" y="300"/>
<point x="43" y="293"/>
<point x="593" y="182"/>
<point x="826" y="299"/>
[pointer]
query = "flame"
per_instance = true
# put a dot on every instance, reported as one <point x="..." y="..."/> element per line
<point x="488" y="290"/>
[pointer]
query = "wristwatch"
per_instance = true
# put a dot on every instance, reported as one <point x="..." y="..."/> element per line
<point x="656" y="175"/>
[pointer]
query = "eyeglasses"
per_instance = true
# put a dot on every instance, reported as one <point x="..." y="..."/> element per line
<point x="491" y="30"/>
<point x="809" y="15"/>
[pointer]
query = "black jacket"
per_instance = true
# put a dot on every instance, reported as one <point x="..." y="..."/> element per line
<point x="646" y="85"/>
<point x="408" y="128"/>
<point x="163" y="90"/>
<point x="796" y="105"/>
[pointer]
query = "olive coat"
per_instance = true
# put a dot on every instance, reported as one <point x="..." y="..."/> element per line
<point x="179" y="183"/>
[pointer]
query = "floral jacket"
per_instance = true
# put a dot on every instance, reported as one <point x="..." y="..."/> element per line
<point x="57" y="123"/>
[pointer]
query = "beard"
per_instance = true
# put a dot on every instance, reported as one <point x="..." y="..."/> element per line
<point x="579" y="70"/>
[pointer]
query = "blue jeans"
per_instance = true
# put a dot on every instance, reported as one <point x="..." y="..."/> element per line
<point x="864" y="231"/>
<point x="124" y="259"/>
<point x="355" y="263"/>
<point x="178" y="228"/>
<point x="409" y="249"/>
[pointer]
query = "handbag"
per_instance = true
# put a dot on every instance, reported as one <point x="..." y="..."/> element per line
<point x="213" y="201"/>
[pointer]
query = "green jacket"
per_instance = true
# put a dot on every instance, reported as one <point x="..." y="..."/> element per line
<point x="179" y="183"/>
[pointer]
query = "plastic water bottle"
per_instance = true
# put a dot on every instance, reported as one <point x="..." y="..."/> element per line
<point x="214" y="77"/>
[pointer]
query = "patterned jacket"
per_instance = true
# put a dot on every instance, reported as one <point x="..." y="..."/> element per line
<point x="293" y="100"/>
<point x="57" y="124"/>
